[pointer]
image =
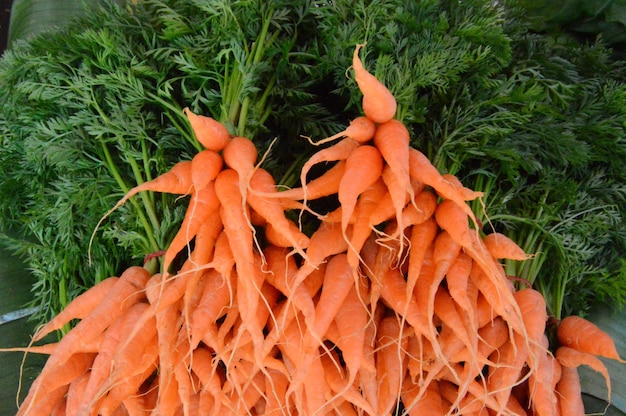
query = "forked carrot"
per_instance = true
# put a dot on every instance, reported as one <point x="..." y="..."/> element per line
<point x="569" y="357"/>
<point x="212" y="134"/>
<point x="379" y="104"/>
<point x="361" y="130"/>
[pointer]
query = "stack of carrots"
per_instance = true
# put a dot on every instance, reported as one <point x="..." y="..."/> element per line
<point x="394" y="304"/>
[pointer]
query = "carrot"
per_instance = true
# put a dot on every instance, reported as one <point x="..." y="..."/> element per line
<point x="324" y="185"/>
<point x="542" y="384"/>
<point x="342" y="387"/>
<point x="362" y="228"/>
<point x="124" y="294"/>
<point x="240" y="154"/>
<point x="428" y="403"/>
<point x="101" y="367"/>
<point x="379" y="105"/>
<point x="392" y="140"/>
<point x="273" y="212"/>
<point x="584" y="336"/>
<point x="240" y="239"/>
<point x="457" y="282"/>
<point x="569" y="393"/>
<point x="351" y="323"/>
<point x="534" y="314"/>
<point x="361" y="130"/>
<point x="203" y="205"/>
<point x="390" y="363"/>
<point x="216" y="296"/>
<point x="212" y="134"/>
<point x="569" y="357"/>
<point x="79" y="308"/>
<point x="502" y="247"/>
<point x="508" y="369"/>
<point x="422" y="169"/>
<point x="48" y="384"/>
<point x="177" y="180"/>
<point x="205" y="166"/>
<point x="422" y="237"/>
<point x="337" y="152"/>
<point x="423" y="208"/>
<point x="45" y="405"/>
<point x="363" y="168"/>
<point x="76" y="392"/>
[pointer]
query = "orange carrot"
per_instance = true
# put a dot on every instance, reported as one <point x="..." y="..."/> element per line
<point x="202" y="205"/>
<point x="216" y="297"/>
<point x="390" y="363"/>
<point x="379" y="105"/>
<point x="534" y="313"/>
<point x="240" y="239"/>
<point x="212" y="134"/>
<point x="205" y="166"/>
<point x="240" y="154"/>
<point x="429" y="403"/>
<point x="569" y="393"/>
<point x="392" y="140"/>
<point x="569" y="357"/>
<point x="337" y="152"/>
<point x="324" y="185"/>
<point x="363" y="168"/>
<point x="273" y="212"/>
<point x="422" y="169"/>
<point x="542" y="385"/>
<point x="79" y="308"/>
<point x="502" y="247"/>
<point x="582" y="335"/>
<point x="361" y="130"/>
<point x="362" y="228"/>
<point x="177" y="180"/>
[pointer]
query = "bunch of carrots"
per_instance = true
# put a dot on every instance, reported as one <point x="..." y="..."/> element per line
<point x="394" y="304"/>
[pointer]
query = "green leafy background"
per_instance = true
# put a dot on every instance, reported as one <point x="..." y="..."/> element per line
<point x="516" y="106"/>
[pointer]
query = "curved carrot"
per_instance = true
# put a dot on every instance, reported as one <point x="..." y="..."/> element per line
<point x="212" y="134"/>
<point x="569" y="357"/>
<point x="422" y="169"/>
<point x="585" y="336"/>
<point x="361" y="130"/>
<point x="391" y="361"/>
<point x="177" y="180"/>
<point x="78" y="308"/>
<point x="502" y="247"/>
<point x="337" y="152"/>
<point x="273" y="212"/>
<point x="379" y="104"/>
